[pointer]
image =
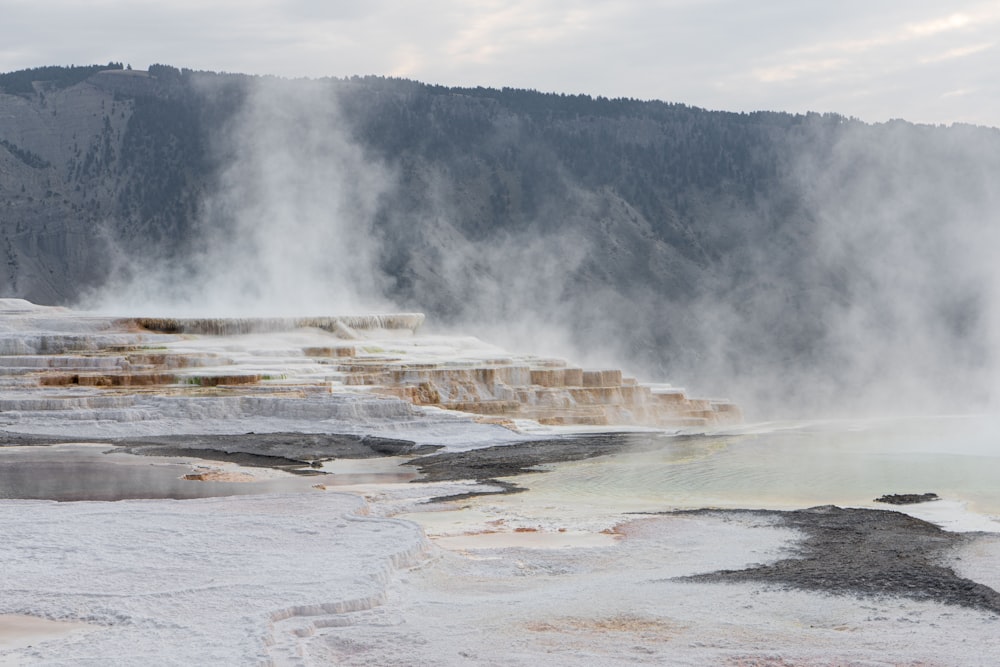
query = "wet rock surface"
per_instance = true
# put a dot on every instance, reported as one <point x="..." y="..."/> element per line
<point x="287" y="451"/>
<point x="864" y="552"/>
<point x="295" y="449"/>
<point x="295" y="452"/>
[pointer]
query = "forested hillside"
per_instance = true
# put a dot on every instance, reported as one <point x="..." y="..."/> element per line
<point x="808" y="260"/>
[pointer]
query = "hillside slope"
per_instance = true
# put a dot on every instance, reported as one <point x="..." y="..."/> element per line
<point x="769" y="256"/>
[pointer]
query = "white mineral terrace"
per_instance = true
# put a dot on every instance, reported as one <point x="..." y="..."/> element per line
<point x="377" y="372"/>
<point x="357" y="568"/>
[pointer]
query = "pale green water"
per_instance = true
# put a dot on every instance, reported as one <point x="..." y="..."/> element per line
<point x="781" y="466"/>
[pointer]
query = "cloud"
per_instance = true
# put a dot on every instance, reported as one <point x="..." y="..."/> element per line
<point x="791" y="71"/>
<point x="502" y="28"/>
<point x="960" y="92"/>
<point x="937" y="26"/>
<point x="960" y="52"/>
<point x="879" y="65"/>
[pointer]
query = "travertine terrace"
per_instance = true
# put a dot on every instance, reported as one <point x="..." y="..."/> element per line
<point x="54" y="360"/>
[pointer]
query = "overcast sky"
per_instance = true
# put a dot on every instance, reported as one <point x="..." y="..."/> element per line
<point x="922" y="60"/>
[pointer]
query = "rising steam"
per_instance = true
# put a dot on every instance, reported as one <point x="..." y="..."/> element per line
<point x="288" y="228"/>
<point x="880" y="293"/>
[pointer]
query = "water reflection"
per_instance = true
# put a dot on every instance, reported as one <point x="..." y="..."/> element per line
<point x="86" y="472"/>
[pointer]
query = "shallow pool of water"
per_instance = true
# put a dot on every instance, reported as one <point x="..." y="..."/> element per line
<point x="777" y="467"/>
<point x="97" y="472"/>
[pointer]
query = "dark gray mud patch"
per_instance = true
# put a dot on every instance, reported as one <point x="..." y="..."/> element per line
<point x="519" y="458"/>
<point x="301" y="448"/>
<point x="294" y="466"/>
<point x="864" y="552"/>
<point x="906" y="498"/>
